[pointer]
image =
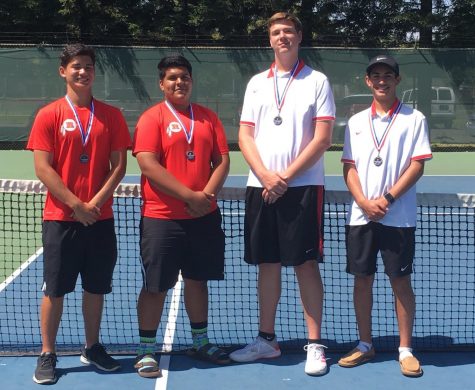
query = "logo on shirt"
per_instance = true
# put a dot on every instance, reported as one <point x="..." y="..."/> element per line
<point x="68" y="125"/>
<point x="173" y="127"/>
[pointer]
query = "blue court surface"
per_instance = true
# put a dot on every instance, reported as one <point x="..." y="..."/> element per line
<point x="453" y="370"/>
<point x="442" y="370"/>
<point x="463" y="184"/>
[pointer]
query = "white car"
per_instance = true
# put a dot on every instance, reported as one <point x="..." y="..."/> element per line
<point x="442" y="104"/>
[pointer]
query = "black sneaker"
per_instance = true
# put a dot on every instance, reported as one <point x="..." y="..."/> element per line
<point x="45" y="372"/>
<point x="98" y="356"/>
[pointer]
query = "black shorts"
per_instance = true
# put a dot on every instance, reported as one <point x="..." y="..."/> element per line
<point x="71" y="249"/>
<point x="396" y="245"/>
<point x="193" y="246"/>
<point x="289" y="231"/>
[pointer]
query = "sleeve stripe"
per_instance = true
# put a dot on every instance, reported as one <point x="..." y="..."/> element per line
<point x="347" y="161"/>
<point x="244" y="123"/>
<point x="323" y="118"/>
<point x="423" y="157"/>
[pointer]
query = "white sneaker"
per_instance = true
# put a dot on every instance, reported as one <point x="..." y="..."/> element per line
<point x="316" y="361"/>
<point x="258" y="349"/>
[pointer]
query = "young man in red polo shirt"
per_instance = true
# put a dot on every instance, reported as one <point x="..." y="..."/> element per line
<point x="79" y="146"/>
<point x="182" y="151"/>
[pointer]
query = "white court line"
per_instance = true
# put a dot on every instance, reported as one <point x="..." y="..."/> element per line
<point x="20" y="269"/>
<point x="161" y="383"/>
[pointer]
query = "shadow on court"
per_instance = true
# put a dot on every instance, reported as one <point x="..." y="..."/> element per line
<point x="442" y="354"/>
<point x="449" y="359"/>
<point x="127" y="367"/>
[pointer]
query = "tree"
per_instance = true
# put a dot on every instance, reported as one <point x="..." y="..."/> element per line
<point x="426" y="23"/>
<point x="91" y="19"/>
<point x="20" y="16"/>
<point x="361" y="23"/>
<point x="458" y="29"/>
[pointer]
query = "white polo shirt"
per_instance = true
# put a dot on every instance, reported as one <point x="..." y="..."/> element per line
<point x="401" y="136"/>
<point x="309" y="98"/>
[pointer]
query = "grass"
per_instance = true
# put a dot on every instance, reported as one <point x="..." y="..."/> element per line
<point x="20" y="230"/>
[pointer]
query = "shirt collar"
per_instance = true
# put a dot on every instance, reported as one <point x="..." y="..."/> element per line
<point x="389" y="114"/>
<point x="299" y="68"/>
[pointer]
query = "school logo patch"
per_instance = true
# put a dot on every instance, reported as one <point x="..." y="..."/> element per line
<point x="68" y="125"/>
<point x="173" y="127"/>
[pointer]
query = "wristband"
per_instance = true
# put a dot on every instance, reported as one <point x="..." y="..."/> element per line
<point x="389" y="197"/>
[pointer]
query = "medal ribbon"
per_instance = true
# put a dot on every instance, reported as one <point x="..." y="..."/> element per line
<point x="379" y="144"/>
<point x="188" y="134"/>
<point x="279" y="100"/>
<point x="84" y="135"/>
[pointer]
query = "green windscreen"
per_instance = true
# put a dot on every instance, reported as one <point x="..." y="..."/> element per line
<point x="438" y="82"/>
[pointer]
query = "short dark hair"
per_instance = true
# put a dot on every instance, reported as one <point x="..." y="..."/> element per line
<point x="284" y="16"/>
<point x="173" y="61"/>
<point x="76" y="49"/>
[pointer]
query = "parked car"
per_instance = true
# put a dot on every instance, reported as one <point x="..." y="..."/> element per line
<point x="470" y="125"/>
<point x="442" y="104"/>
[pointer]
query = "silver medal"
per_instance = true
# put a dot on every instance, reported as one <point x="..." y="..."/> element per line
<point x="190" y="155"/>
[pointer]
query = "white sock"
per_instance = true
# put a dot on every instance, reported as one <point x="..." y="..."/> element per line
<point x="404" y="352"/>
<point x="364" y="346"/>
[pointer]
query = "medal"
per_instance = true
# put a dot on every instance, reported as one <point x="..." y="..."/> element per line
<point x="378" y="161"/>
<point x="280" y="99"/>
<point x="190" y="155"/>
<point x="83" y="158"/>
<point x="378" y="143"/>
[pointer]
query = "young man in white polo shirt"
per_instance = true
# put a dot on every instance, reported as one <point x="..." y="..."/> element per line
<point x="286" y="126"/>
<point x="385" y="149"/>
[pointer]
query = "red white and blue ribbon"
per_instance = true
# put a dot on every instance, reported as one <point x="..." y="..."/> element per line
<point x="280" y="99"/>
<point x="84" y="134"/>
<point x="188" y="134"/>
<point x="378" y="143"/>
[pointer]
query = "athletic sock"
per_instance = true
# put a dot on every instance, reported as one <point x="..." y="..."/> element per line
<point x="199" y="333"/>
<point x="364" y="346"/>
<point x="314" y="341"/>
<point x="270" y="337"/>
<point x="404" y="352"/>
<point x="148" y="340"/>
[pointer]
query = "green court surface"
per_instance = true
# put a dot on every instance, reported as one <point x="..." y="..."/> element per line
<point x="19" y="164"/>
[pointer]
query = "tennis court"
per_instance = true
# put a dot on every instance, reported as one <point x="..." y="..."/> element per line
<point x="444" y="283"/>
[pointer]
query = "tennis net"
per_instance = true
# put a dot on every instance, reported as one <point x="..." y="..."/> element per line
<point x="444" y="281"/>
